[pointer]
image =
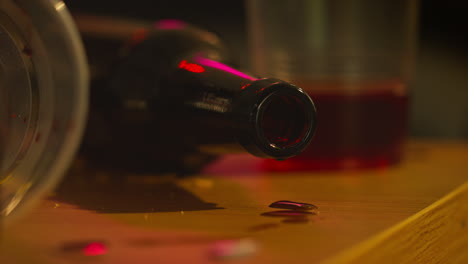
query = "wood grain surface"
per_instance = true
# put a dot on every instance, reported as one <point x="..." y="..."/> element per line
<point x="416" y="212"/>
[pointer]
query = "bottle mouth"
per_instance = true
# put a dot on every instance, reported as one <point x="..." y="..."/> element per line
<point x="283" y="120"/>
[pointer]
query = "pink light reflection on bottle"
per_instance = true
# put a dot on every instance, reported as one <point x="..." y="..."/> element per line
<point x="223" y="67"/>
<point x="95" y="249"/>
<point x="192" y="67"/>
<point x="170" y="24"/>
<point x="245" y="86"/>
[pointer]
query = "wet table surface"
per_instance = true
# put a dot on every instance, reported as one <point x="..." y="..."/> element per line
<point x="414" y="212"/>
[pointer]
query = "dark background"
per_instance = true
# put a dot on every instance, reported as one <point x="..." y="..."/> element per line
<point x="440" y="88"/>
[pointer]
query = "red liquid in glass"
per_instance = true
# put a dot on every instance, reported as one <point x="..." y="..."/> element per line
<point x="356" y="130"/>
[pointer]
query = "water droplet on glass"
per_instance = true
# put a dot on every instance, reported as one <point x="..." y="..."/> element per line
<point x="283" y="204"/>
<point x="38" y="137"/>
<point x="27" y="51"/>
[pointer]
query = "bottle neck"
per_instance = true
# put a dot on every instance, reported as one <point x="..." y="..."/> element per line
<point x="267" y="117"/>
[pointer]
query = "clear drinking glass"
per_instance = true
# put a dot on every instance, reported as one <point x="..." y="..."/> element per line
<point x="43" y="89"/>
<point x="355" y="59"/>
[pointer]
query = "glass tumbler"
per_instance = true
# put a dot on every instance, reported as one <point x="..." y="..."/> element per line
<point x="355" y="59"/>
<point x="43" y="100"/>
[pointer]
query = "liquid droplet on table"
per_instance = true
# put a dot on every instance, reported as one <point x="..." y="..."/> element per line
<point x="284" y="204"/>
<point x="95" y="249"/>
<point x="86" y="248"/>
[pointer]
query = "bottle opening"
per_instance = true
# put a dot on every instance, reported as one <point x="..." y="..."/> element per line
<point x="284" y="120"/>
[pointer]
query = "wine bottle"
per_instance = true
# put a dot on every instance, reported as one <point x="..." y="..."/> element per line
<point x="164" y="98"/>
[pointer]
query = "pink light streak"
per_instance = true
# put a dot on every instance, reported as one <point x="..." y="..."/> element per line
<point x="170" y="24"/>
<point x="218" y="65"/>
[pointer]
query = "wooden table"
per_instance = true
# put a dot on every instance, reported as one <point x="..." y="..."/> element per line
<point x="416" y="212"/>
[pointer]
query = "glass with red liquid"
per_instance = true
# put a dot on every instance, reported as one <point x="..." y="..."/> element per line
<point x="357" y="130"/>
<point x="355" y="59"/>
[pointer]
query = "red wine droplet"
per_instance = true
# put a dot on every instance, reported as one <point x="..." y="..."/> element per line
<point x="95" y="249"/>
<point x="87" y="248"/>
<point x="27" y="51"/>
<point x="38" y="137"/>
<point x="283" y="204"/>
